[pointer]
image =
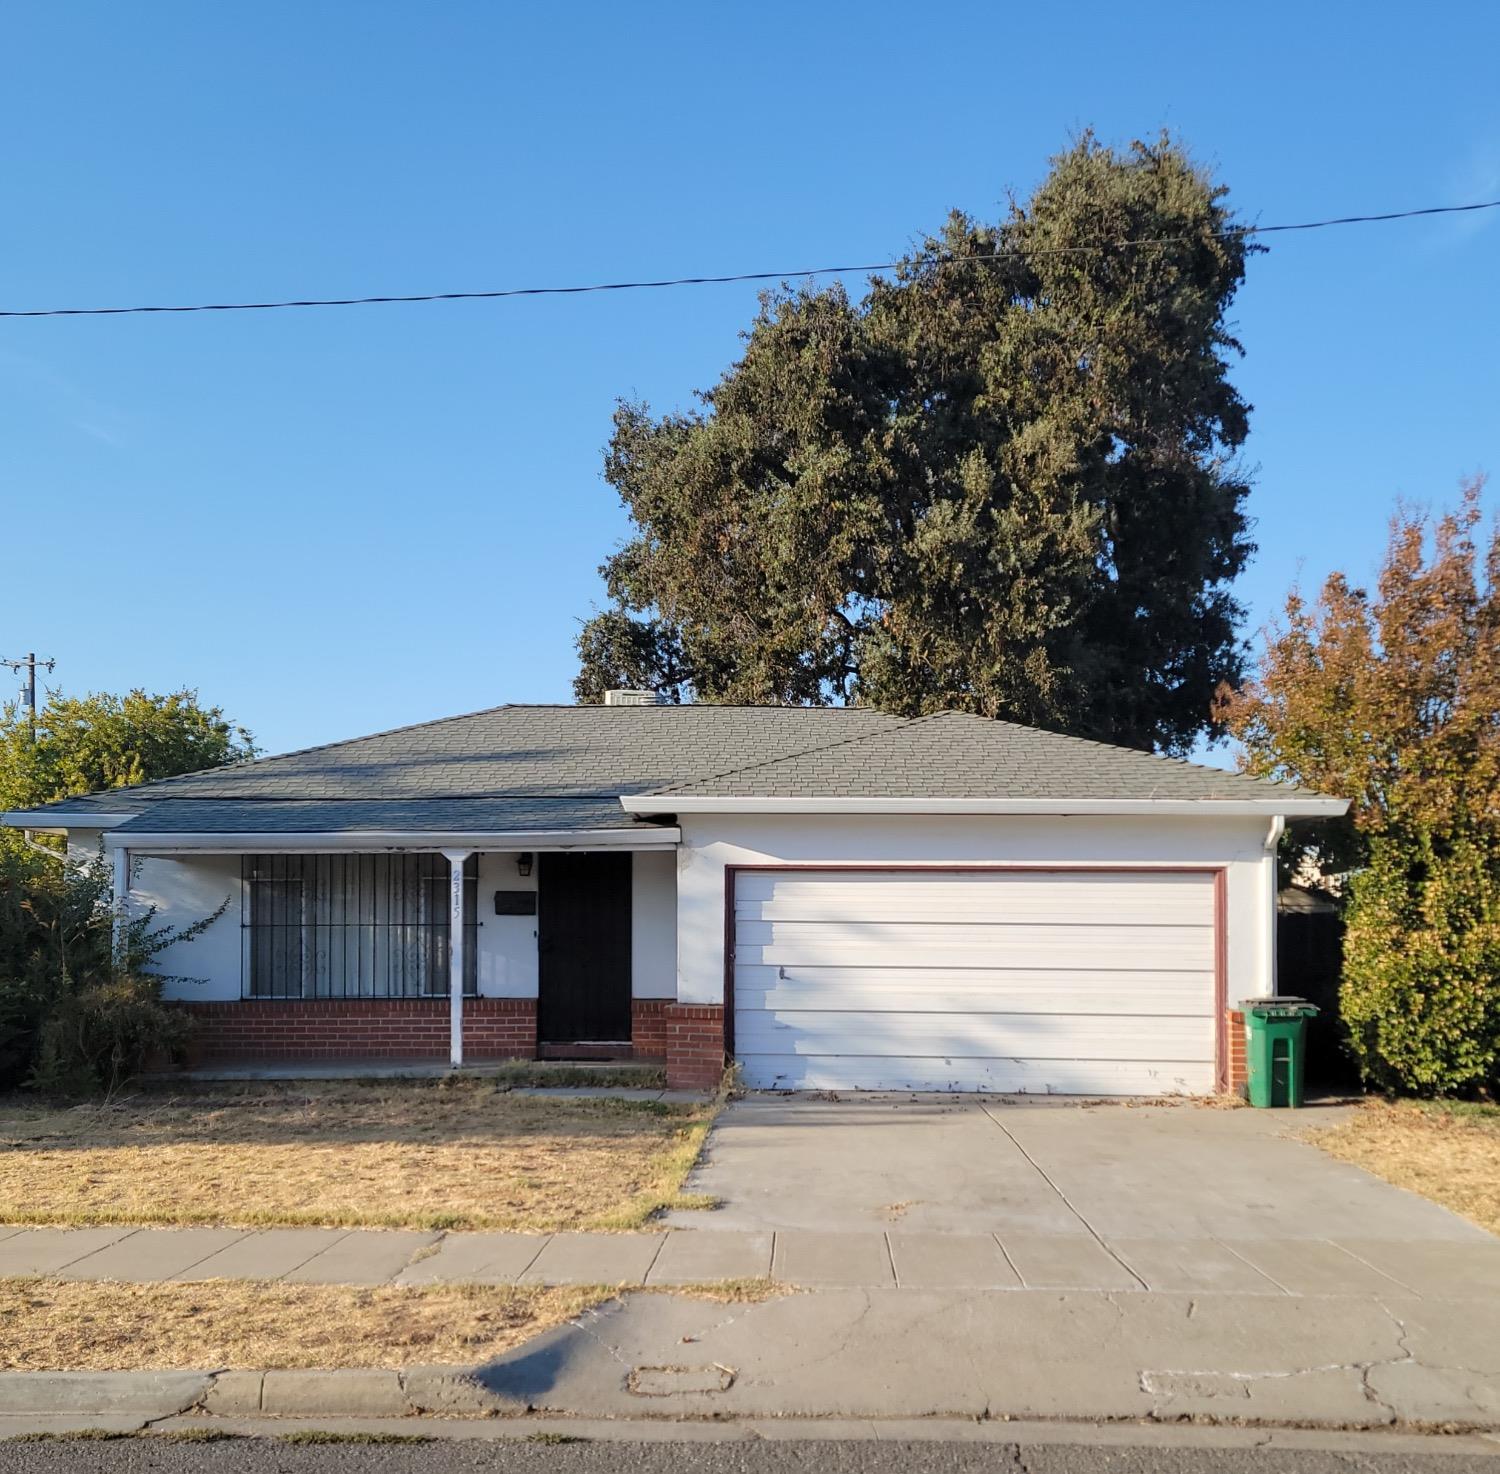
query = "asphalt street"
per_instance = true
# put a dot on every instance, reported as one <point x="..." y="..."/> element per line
<point x="273" y="1456"/>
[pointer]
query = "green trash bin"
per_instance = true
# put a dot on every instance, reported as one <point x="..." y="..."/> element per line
<point x="1276" y="1049"/>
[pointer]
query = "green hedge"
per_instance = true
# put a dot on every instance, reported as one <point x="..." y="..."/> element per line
<point x="1421" y="986"/>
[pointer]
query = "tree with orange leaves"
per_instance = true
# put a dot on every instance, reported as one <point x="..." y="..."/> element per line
<point x="1392" y="700"/>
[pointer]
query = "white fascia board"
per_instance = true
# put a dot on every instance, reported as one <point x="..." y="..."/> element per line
<point x="59" y="821"/>
<point x="1204" y="808"/>
<point x="367" y="841"/>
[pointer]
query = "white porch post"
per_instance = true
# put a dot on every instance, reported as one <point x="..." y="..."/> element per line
<point x="456" y="860"/>
<point x="120" y="895"/>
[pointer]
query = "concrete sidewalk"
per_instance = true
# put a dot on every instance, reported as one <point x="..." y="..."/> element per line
<point x="890" y="1260"/>
<point x="1344" y="1361"/>
<point x="1341" y="1362"/>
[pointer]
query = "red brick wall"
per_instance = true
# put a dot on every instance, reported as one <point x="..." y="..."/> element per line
<point x="695" y="1045"/>
<point x="499" y="1028"/>
<point x="1234" y="1038"/>
<point x="358" y="1028"/>
<point x="648" y="1027"/>
<point x="690" y="1037"/>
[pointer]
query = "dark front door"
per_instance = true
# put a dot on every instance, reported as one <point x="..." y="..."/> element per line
<point x="583" y="945"/>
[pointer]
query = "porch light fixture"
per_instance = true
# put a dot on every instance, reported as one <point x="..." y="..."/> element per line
<point x="523" y="863"/>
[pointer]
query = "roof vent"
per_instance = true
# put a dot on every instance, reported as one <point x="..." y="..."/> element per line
<point x="632" y="698"/>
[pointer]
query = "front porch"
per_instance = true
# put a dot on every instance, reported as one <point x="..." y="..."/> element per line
<point x="446" y="956"/>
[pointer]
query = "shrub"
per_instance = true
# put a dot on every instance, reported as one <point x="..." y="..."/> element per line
<point x="102" y="1034"/>
<point x="1391" y="699"/>
<point x="79" y="1013"/>
<point x="1421" y="988"/>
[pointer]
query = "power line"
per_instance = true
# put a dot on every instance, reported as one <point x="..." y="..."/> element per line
<point x="744" y="276"/>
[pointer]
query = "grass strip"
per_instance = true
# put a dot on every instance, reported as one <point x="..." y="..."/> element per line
<point x="66" y="1325"/>
<point x="459" y="1154"/>
<point x="1448" y="1151"/>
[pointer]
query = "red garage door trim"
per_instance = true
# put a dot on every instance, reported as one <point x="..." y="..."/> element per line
<point x="1221" y="927"/>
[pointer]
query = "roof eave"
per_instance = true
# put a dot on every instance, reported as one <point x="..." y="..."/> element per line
<point x="367" y="840"/>
<point x="1305" y="807"/>
<point x="60" y="821"/>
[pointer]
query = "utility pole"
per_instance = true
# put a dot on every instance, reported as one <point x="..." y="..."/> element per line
<point x="29" y="664"/>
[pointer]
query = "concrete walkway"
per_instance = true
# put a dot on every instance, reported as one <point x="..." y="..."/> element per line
<point x="814" y="1259"/>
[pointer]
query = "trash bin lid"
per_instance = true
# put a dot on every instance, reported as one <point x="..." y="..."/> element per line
<point x="1282" y="1006"/>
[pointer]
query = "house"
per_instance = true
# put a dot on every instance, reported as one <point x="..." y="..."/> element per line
<point x="835" y="898"/>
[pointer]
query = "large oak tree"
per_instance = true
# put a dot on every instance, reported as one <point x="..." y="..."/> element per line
<point x="1003" y="481"/>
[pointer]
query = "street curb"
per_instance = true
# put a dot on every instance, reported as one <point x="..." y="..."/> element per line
<point x="443" y="1400"/>
<point x="444" y="1390"/>
<point x="105" y="1394"/>
<point x="148" y="1397"/>
<point x="538" y="1428"/>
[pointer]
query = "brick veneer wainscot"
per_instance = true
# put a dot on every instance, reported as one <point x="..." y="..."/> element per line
<point x="648" y="1028"/>
<point x="689" y="1037"/>
<point x="695" y="1045"/>
<point x="1234" y="1038"/>
<point x="358" y="1028"/>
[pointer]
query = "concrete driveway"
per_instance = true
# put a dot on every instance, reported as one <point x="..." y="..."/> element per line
<point x="991" y="1257"/>
<point x="944" y="1192"/>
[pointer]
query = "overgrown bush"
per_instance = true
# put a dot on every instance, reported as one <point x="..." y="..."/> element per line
<point x="1421" y="988"/>
<point x="102" y="1034"/>
<point x="1391" y="699"/>
<point x="78" y="1013"/>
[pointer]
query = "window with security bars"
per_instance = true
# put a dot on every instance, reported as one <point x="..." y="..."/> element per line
<point x="352" y="926"/>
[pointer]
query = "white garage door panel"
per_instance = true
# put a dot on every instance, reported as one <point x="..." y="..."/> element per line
<point x="1079" y="982"/>
<point x="973" y="990"/>
<point x="959" y="944"/>
<point x="1035" y="1077"/>
<point x="1163" y="900"/>
<point x="976" y="1035"/>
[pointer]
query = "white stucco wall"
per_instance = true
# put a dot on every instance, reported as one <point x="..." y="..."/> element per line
<point x="507" y="944"/>
<point x="710" y="842"/>
<point x="207" y="968"/>
<point x="185" y="890"/>
<point x="677" y="943"/>
<point x="653" y="926"/>
<point x="84" y="846"/>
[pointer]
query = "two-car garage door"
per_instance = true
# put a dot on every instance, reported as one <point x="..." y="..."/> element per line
<point x="1074" y="982"/>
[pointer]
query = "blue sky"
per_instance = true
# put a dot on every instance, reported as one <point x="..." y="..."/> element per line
<point x="336" y="521"/>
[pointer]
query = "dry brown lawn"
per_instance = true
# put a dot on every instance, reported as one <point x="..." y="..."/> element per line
<point x="67" y="1325"/>
<point x="415" y="1154"/>
<point x="54" y="1325"/>
<point x="1447" y="1152"/>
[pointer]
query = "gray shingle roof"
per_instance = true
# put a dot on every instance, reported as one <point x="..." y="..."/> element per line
<point x="564" y="767"/>
<point x="953" y="755"/>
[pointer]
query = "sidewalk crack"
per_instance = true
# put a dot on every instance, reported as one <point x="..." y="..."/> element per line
<point x="1062" y="1196"/>
<point x="580" y="1323"/>
<point x="89" y="1253"/>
